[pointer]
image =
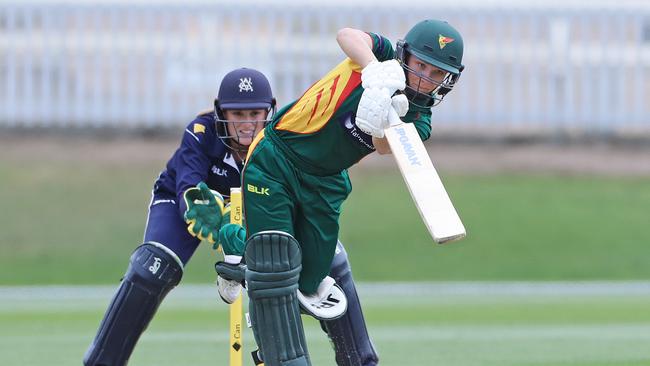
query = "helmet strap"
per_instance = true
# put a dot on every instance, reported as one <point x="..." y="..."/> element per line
<point x="400" y="52"/>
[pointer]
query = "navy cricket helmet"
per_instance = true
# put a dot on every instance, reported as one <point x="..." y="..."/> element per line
<point x="241" y="89"/>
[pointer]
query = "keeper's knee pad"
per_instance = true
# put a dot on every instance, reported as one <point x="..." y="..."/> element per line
<point x="153" y="271"/>
<point x="349" y="335"/>
<point x="274" y="263"/>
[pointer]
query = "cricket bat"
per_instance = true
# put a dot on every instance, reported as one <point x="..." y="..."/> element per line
<point x="236" y="308"/>
<point x="423" y="181"/>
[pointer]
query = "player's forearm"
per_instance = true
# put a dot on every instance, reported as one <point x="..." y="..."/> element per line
<point x="357" y="45"/>
<point x="381" y="145"/>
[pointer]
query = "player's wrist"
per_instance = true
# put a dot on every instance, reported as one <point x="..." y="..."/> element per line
<point x="381" y="145"/>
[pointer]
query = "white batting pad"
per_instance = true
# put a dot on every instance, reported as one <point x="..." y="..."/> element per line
<point x="329" y="301"/>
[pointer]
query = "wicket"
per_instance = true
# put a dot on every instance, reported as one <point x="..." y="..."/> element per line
<point x="236" y="308"/>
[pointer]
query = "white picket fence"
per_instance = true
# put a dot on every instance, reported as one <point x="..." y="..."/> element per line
<point x="546" y="66"/>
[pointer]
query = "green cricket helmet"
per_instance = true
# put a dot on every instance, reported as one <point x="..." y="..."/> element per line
<point x="439" y="44"/>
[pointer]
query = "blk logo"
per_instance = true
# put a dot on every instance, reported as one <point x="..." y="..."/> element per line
<point x="257" y="190"/>
<point x="218" y="171"/>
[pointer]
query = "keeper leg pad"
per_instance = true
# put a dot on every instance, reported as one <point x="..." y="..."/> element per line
<point x="153" y="271"/>
<point x="348" y="333"/>
<point x="274" y="263"/>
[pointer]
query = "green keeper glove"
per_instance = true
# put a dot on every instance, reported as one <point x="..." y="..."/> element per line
<point x="204" y="213"/>
<point x="232" y="238"/>
<point x="226" y="214"/>
<point x="231" y="272"/>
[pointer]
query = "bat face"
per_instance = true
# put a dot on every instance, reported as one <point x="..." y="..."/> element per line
<point x="423" y="182"/>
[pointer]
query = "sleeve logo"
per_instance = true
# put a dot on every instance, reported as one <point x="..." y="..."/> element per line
<point x="199" y="128"/>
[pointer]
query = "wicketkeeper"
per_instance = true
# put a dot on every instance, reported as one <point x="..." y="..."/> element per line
<point x="187" y="206"/>
<point x="295" y="178"/>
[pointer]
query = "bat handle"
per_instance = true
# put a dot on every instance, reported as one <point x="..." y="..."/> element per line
<point x="393" y="118"/>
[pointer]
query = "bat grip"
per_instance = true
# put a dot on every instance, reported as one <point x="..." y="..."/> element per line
<point x="393" y="118"/>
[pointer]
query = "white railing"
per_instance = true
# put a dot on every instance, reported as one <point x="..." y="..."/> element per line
<point x="539" y="66"/>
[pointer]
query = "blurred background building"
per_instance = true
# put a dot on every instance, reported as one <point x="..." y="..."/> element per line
<point x="533" y="67"/>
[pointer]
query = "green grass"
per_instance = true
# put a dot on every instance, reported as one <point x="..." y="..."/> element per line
<point x="77" y="223"/>
<point x="70" y="223"/>
<point x="519" y="227"/>
<point x="423" y="328"/>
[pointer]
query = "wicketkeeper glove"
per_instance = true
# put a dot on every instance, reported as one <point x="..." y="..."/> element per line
<point x="232" y="239"/>
<point x="230" y="279"/>
<point x="204" y="213"/>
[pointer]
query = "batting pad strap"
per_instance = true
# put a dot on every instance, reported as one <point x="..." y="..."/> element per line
<point x="228" y="271"/>
<point x="272" y="284"/>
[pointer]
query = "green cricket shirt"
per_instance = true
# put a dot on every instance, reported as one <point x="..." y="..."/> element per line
<point x="317" y="132"/>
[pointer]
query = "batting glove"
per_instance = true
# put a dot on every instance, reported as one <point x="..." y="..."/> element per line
<point x="387" y="74"/>
<point x="401" y="104"/>
<point x="372" y="111"/>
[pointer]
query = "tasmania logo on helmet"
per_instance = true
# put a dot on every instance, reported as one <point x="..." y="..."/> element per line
<point x="245" y="85"/>
<point x="443" y="41"/>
